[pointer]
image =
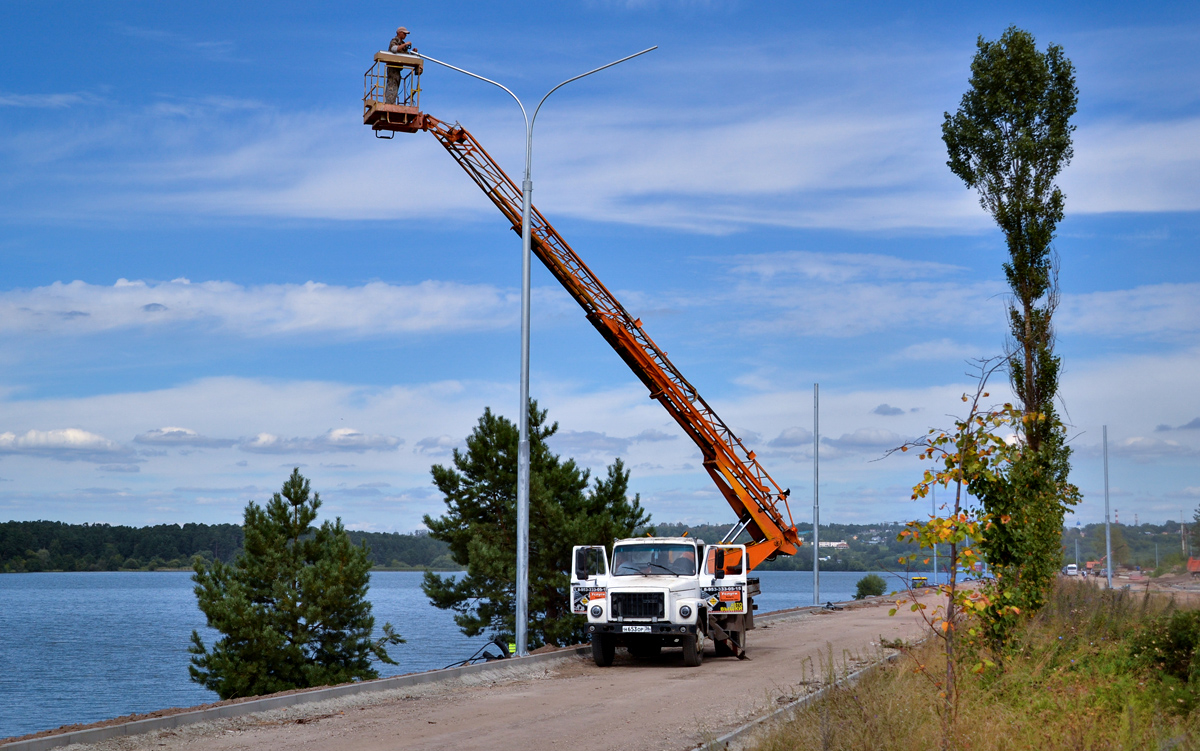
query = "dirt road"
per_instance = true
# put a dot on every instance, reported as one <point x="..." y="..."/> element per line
<point x="569" y="703"/>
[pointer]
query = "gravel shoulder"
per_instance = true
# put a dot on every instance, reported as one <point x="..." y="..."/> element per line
<point x="570" y="703"/>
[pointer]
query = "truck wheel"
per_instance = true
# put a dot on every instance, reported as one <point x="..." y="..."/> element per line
<point x="693" y="650"/>
<point x="603" y="649"/>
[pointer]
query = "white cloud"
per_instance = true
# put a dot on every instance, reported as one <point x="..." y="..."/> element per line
<point x="1125" y="165"/>
<point x="861" y="153"/>
<point x="48" y="101"/>
<point x="843" y="294"/>
<point x="272" y="309"/>
<point x="1162" y="310"/>
<point x="1144" y="449"/>
<point x="940" y="349"/>
<point x="588" y="443"/>
<point x="66" y="444"/>
<point x="650" y="435"/>
<point x="181" y="437"/>
<point x="867" y="439"/>
<point x="339" y="439"/>
<point x="129" y="468"/>
<point x="839" y="268"/>
<point x="792" y="437"/>
<point x="441" y="445"/>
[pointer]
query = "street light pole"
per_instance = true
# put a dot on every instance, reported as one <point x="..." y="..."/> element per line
<point x="816" y="493"/>
<point x="522" y="583"/>
<point x="1107" y="529"/>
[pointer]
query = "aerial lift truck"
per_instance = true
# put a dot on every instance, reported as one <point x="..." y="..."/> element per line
<point x="653" y="591"/>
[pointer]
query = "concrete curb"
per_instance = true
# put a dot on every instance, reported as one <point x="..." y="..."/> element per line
<point x="135" y="727"/>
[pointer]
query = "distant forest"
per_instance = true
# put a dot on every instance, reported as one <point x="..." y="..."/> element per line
<point x="55" y="546"/>
<point x="873" y="547"/>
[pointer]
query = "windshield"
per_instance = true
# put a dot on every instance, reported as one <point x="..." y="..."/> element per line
<point x="660" y="560"/>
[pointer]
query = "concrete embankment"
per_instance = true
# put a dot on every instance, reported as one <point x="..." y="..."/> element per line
<point x="536" y="702"/>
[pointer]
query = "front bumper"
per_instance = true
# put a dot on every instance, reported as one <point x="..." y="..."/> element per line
<point x="661" y="629"/>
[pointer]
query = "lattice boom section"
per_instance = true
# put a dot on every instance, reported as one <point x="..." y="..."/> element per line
<point x="596" y="300"/>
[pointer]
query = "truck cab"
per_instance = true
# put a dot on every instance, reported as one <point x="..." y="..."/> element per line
<point x="660" y="592"/>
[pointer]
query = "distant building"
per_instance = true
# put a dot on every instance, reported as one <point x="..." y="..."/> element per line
<point x="840" y="545"/>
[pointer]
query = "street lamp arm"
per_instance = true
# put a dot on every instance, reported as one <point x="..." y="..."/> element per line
<point x="495" y="83"/>
<point x="581" y="75"/>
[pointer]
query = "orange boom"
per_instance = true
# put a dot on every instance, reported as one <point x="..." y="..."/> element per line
<point x="760" y="504"/>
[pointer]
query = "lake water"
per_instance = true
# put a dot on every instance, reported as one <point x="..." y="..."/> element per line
<point x="82" y="647"/>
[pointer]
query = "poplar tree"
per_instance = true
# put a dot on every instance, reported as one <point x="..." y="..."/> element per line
<point x="480" y="525"/>
<point x="1009" y="139"/>
<point x="292" y="609"/>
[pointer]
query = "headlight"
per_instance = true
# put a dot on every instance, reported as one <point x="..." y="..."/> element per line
<point x="685" y="611"/>
<point x="597" y="611"/>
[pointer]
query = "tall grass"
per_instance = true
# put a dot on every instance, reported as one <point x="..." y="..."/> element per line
<point x="1074" y="681"/>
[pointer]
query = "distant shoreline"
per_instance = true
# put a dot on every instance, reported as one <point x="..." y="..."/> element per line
<point x="438" y="570"/>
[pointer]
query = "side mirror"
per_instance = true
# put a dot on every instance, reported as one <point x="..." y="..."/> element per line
<point x="581" y="563"/>
<point x="720" y="574"/>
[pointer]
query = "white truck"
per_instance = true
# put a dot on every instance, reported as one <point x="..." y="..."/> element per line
<point x="654" y="595"/>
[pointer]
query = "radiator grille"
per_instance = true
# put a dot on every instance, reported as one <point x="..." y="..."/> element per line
<point x="637" y="605"/>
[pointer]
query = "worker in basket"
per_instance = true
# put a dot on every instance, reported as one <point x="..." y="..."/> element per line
<point x="400" y="46"/>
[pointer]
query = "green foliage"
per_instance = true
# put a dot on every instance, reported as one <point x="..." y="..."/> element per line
<point x="871" y="585"/>
<point x="1167" y="646"/>
<point x="292" y="609"/>
<point x="480" y="527"/>
<point x="1009" y="139"/>
<point x="55" y="546"/>
<point x="1071" y="683"/>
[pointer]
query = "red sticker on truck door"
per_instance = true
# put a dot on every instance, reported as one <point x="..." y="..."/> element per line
<point x="723" y="599"/>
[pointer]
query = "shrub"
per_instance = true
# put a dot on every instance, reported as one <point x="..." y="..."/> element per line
<point x="871" y="585"/>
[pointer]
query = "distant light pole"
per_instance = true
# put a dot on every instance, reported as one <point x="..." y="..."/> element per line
<point x="1107" y="528"/>
<point x="522" y="584"/>
<point x="816" y="493"/>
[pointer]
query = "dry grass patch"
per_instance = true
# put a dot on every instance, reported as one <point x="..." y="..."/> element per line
<point x="1094" y="670"/>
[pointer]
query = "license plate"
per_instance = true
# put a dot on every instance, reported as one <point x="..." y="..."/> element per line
<point x="635" y="629"/>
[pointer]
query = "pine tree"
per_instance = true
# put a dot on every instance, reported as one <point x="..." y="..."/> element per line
<point x="480" y="526"/>
<point x="292" y="608"/>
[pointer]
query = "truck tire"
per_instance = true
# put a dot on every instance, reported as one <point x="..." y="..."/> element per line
<point x="693" y="650"/>
<point x="603" y="650"/>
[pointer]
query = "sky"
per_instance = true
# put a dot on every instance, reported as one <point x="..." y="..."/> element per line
<point x="212" y="272"/>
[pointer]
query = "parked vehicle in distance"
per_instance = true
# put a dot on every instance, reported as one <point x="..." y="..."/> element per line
<point x="1193" y="566"/>
<point x="1071" y="570"/>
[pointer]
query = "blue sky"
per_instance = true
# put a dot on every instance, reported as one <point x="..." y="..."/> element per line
<point x="212" y="272"/>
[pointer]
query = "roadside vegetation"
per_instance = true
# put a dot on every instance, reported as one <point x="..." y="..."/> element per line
<point x="1094" y="669"/>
